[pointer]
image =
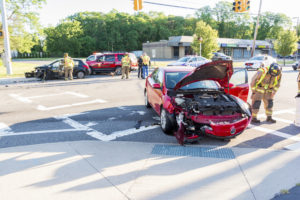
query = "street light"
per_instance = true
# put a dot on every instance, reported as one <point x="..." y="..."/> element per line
<point x="200" y="41"/>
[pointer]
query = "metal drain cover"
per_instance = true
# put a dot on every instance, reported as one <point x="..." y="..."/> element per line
<point x="208" y="152"/>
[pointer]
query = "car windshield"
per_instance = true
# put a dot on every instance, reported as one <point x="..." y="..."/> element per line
<point x="172" y="78"/>
<point x="91" y="58"/>
<point x="184" y="59"/>
<point x="257" y="58"/>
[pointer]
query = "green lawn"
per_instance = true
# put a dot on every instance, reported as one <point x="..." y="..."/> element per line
<point x="18" y="68"/>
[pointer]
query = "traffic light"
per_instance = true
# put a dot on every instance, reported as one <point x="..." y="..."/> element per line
<point x="247" y="5"/>
<point x="237" y="6"/>
<point x="137" y="5"/>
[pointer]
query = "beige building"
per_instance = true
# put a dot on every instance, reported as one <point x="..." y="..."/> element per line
<point x="175" y="47"/>
<point x="179" y="46"/>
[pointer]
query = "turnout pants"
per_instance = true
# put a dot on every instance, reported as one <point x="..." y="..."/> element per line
<point x="125" y="71"/>
<point x="267" y="98"/>
<point x="68" y="73"/>
<point x="145" y="71"/>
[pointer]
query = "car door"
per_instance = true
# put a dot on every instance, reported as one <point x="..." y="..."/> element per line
<point x="96" y="65"/>
<point x="151" y="80"/>
<point x="238" y="83"/>
<point x="157" y="92"/>
<point x="56" y="69"/>
<point x="109" y="63"/>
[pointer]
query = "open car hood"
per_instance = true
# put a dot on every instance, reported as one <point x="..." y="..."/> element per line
<point x="220" y="71"/>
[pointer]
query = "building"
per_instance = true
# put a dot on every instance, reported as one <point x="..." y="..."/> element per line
<point x="179" y="46"/>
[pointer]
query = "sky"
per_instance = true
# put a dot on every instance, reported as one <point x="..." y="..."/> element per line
<point x="56" y="10"/>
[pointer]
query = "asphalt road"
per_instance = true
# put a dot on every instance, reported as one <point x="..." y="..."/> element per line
<point x="107" y="108"/>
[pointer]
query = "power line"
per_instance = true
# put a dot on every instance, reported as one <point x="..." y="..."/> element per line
<point x="168" y="5"/>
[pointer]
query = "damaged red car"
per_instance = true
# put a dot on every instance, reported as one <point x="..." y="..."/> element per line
<point x="207" y="100"/>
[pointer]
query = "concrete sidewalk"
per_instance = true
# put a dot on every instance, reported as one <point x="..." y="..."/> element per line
<point x="127" y="170"/>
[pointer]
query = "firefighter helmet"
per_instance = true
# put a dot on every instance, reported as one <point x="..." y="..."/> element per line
<point x="274" y="69"/>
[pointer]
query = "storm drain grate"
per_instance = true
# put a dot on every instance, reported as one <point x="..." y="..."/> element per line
<point x="209" y="152"/>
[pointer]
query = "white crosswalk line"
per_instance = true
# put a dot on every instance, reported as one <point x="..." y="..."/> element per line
<point x="294" y="147"/>
<point x="20" y="98"/>
<point x="284" y="120"/>
<point x="44" y="108"/>
<point x="278" y="133"/>
<point x="4" y="129"/>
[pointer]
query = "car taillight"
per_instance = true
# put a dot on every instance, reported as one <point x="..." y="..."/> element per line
<point x="249" y="64"/>
<point x="87" y="67"/>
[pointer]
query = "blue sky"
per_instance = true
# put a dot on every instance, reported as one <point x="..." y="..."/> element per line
<point x="56" y="10"/>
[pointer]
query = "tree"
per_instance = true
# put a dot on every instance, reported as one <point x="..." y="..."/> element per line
<point x="21" y="18"/>
<point x="286" y="44"/>
<point x="209" y="36"/>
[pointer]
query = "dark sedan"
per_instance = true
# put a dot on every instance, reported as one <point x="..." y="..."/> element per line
<point x="55" y="70"/>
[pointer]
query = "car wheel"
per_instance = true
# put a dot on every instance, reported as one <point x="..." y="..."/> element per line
<point x="80" y="74"/>
<point x="118" y="71"/>
<point x="295" y="68"/>
<point x="165" y="122"/>
<point x="147" y="104"/>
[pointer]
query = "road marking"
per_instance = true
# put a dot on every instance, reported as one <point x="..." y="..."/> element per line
<point x="289" y="111"/>
<point x="294" y="147"/>
<point x="284" y="120"/>
<point x="36" y="132"/>
<point x="111" y="118"/>
<point x="44" y="108"/>
<point x="278" y="133"/>
<point x="131" y="131"/>
<point x="20" y="98"/>
<point x="4" y="128"/>
<point x="137" y="112"/>
<point x="80" y="127"/>
<point x="89" y="124"/>
<point x="77" y="94"/>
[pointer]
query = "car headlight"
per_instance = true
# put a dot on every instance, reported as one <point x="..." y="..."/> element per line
<point x="243" y="105"/>
<point x="179" y="101"/>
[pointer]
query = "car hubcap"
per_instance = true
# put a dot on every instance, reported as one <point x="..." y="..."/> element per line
<point x="163" y="119"/>
<point x="80" y="75"/>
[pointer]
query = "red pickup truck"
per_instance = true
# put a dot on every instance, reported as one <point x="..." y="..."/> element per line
<point x="111" y="62"/>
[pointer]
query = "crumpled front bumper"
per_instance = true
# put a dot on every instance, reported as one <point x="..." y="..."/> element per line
<point x="226" y="130"/>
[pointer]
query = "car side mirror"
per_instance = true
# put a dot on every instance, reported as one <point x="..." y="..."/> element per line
<point x="156" y="86"/>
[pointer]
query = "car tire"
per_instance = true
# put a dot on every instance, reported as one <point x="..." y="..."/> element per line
<point x="147" y="104"/>
<point x="165" y="122"/>
<point x="118" y="71"/>
<point x="295" y="68"/>
<point x="80" y="75"/>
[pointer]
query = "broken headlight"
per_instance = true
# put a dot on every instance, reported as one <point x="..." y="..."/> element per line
<point x="179" y="101"/>
<point x="243" y="105"/>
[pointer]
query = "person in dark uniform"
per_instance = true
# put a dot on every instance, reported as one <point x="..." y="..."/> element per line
<point x="140" y="63"/>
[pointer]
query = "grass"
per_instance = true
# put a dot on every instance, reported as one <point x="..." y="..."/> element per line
<point x="298" y="184"/>
<point x="18" y="68"/>
<point x="287" y="62"/>
<point x="284" y="191"/>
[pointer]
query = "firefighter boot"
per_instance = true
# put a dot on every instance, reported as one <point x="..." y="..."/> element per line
<point x="255" y="120"/>
<point x="270" y="119"/>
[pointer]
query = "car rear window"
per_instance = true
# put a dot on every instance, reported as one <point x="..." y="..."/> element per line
<point x="172" y="78"/>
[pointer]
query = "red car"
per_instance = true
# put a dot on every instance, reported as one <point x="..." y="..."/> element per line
<point x="206" y="100"/>
<point x="111" y="62"/>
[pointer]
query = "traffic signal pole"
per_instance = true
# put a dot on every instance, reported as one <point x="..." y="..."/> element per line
<point x="256" y="29"/>
<point x="7" y="53"/>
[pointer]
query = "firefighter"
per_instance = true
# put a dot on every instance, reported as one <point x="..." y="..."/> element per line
<point x="126" y="63"/>
<point x="264" y="85"/>
<point x="146" y="64"/>
<point x="68" y="65"/>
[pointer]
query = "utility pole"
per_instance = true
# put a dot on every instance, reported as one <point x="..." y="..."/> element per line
<point x="256" y="29"/>
<point x="7" y="60"/>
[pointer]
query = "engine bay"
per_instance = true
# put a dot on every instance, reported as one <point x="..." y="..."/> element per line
<point x="208" y="104"/>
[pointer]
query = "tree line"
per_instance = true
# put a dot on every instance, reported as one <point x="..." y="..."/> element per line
<point x="86" y="32"/>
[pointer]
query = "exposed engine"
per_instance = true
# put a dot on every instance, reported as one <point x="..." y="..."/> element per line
<point x="208" y="104"/>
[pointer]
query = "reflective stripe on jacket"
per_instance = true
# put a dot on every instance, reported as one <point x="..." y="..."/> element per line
<point x="266" y="86"/>
<point x="69" y="62"/>
<point x="146" y="60"/>
<point x="125" y="61"/>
